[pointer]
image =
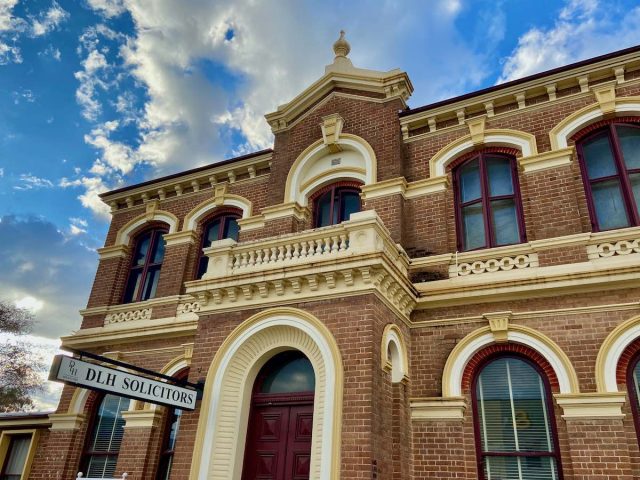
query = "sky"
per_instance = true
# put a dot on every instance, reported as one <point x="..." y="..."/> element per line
<point x="98" y="94"/>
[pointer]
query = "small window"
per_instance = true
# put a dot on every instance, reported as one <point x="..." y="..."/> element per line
<point x="103" y="446"/>
<point x="172" y="427"/>
<point x="336" y="205"/>
<point x="16" y="458"/>
<point x="489" y="210"/>
<point x="610" y="163"/>
<point x="287" y="372"/>
<point x="515" y="430"/>
<point x="218" y="228"/>
<point x="144" y="273"/>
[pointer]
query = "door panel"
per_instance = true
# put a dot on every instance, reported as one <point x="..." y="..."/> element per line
<point x="279" y="443"/>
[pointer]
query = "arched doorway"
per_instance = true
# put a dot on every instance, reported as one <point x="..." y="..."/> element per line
<point x="281" y="420"/>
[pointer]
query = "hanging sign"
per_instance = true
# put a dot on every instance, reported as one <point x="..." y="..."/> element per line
<point x="118" y="382"/>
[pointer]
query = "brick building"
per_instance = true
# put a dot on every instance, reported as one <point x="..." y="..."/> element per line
<point x="445" y="292"/>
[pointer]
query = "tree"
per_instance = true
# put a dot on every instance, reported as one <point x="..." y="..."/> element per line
<point x="19" y="364"/>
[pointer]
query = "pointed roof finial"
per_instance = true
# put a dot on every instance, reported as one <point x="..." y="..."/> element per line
<point x="341" y="47"/>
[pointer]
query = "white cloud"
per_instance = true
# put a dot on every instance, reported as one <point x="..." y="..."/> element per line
<point x="26" y="95"/>
<point x="52" y="52"/>
<point x="31" y="182"/>
<point x="10" y="28"/>
<point x="1" y="172"/>
<point x="30" y="303"/>
<point x="93" y="186"/>
<point x="584" y="29"/>
<point x="49" y="20"/>
<point x="77" y="226"/>
<point x="109" y="8"/>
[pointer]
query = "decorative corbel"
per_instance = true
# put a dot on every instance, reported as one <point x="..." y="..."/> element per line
<point x="331" y="129"/>
<point x="488" y="106"/>
<point x="476" y="129"/>
<point x="499" y="324"/>
<point x="152" y="206"/>
<point x="606" y="97"/>
<point x="219" y="192"/>
<point x="188" y="352"/>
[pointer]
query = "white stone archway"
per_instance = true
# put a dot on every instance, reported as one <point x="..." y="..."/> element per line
<point x="220" y="441"/>
<point x="318" y="166"/>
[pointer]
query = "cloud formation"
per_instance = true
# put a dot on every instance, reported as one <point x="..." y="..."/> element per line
<point x="583" y="29"/>
<point x="43" y="267"/>
<point x="205" y="73"/>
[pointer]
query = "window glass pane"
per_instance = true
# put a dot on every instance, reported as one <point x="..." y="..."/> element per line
<point x="629" y="138"/>
<point x="151" y="283"/>
<point x="175" y="426"/>
<point x="598" y="157"/>
<point x="107" y="436"/>
<point x="288" y="372"/>
<point x="203" y="264"/>
<point x="512" y="409"/>
<point x="158" y="248"/>
<point x="133" y="285"/>
<point x="609" y="206"/>
<point x="324" y="210"/>
<point x="520" y="468"/>
<point x="499" y="171"/>
<point x="470" y="181"/>
<point x="212" y="230"/>
<point x="635" y="188"/>
<point x="231" y="227"/>
<point x="142" y="246"/>
<point x="350" y="204"/>
<point x="18" y="450"/>
<point x="505" y="222"/>
<point x="473" y="226"/>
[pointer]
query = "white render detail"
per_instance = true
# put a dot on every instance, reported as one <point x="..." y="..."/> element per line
<point x="128" y="316"/>
<point x="490" y="265"/>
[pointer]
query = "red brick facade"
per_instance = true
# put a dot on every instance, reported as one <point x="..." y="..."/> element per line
<point x="559" y="310"/>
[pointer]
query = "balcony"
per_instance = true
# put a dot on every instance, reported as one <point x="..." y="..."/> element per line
<point x="352" y="258"/>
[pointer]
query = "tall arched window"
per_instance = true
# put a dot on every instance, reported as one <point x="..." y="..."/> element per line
<point x="489" y="209"/>
<point x="170" y="435"/>
<point x="147" y="259"/>
<point x="103" y="445"/>
<point x="223" y="225"/>
<point x="610" y="164"/>
<point x="281" y="419"/>
<point x="335" y="204"/>
<point x="514" y="425"/>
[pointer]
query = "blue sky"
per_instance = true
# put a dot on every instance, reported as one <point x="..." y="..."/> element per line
<point x="97" y="94"/>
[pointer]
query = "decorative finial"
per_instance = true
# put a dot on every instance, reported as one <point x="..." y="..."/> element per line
<point x="341" y="48"/>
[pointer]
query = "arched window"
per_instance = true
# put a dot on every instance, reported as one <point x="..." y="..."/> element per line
<point x="335" y="204"/>
<point x="103" y="445"/>
<point x="147" y="259"/>
<point x="281" y="419"/>
<point x="489" y="209"/>
<point x="221" y="226"/>
<point x="171" y="429"/>
<point x="610" y="164"/>
<point x="514" y="425"/>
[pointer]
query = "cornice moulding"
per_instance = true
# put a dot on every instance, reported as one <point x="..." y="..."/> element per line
<point x="613" y="272"/>
<point x="546" y="160"/>
<point x="131" y="332"/>
<point x="179" y="238"/>
<point x="591" y="406"/>
<point x="114" y="251"/>
<point x="283" y="210"/>
<point x="66" y="421"/>
<point x="141" y="418"/>
<point x="438" y="409"/>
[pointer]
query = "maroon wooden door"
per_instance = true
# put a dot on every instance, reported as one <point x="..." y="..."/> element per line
<point x="279" y="441"/>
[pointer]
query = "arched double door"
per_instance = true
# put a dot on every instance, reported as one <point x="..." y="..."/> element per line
<point x="279" y="433"/>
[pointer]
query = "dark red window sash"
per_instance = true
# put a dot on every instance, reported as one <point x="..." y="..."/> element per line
<point x="223" y="217"/>
<point x="480" y="453"/>
<point x="156" y="235"/>
<point x="633" y="216"/>
<point x="336" y="191"/>
<point x="486" y="200"/>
